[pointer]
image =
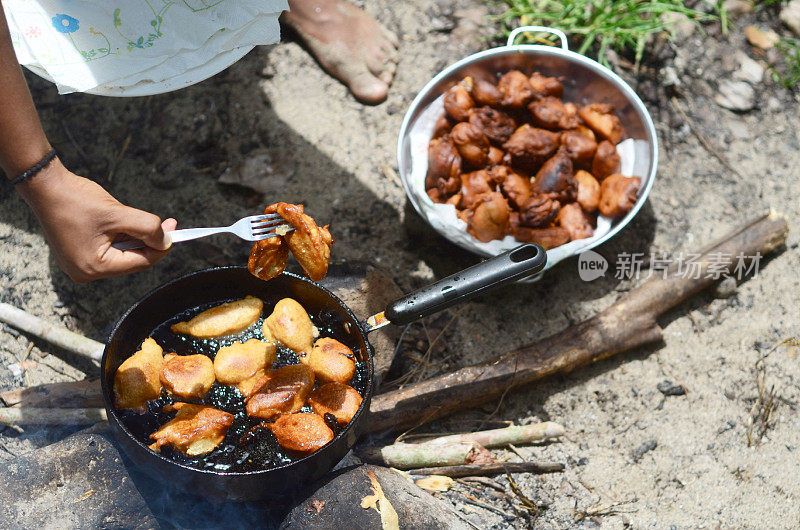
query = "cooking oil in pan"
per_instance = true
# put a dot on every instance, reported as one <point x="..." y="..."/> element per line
<point x="245" y="447"/>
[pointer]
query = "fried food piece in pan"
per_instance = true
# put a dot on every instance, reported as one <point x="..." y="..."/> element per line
<point x="330" y="360"/>
<point x="606" y="160"/>
<point x="457" y="103"/>
<point x="281" y="391"/>
<point x="224" y="319"/>
<point x="290" y="325"/>
<point x="552" y="113"/>
<point x="549" y="237"/>
<point x="473" y="185"/>
<point x="310" y="244"/>
<point x="588" y="191"/>
<point x="472" y="144"/>
<point x="538" y="211"/>
<point x="490" y="217"/>
<point x="484" y="92"/>
<point x="555" y="178"/>
<point x="578" y="223"/>
<point x="195" y="430"/>
<point x="268" y="258"/>
<point x="304" y="432"/>
<point x="495" y="156"/>
<point x="187" y="376"/>
<point x="239" y="362"/>
<point x="442" y="126"/>
<point x="496" y="125"/>
<point x="516" y="187"/>
<point x="444" y="166"/>
<point x="529" y="146"/>
<point x="579" y="147"/>
<point x="335" y="398"/>
<point x="137" y="381"/>
<point x="515" y="89"/>
<point x="601" y="119"/>
<point x="618" y="195"/>
<point x="546" y="86"/>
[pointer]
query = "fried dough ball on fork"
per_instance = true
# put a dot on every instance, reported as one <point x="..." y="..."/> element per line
<point x="310" y="244"/>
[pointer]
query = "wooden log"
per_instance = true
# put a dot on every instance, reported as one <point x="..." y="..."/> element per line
<point x="483" y="470"/>
<point x="37" y="416"/>
<point x="629" y="323"/>
<point x="410" y="456"/>
<point x="73" y="394"/>
<point x="52" y="333"/>
<point x="513" y="434"/>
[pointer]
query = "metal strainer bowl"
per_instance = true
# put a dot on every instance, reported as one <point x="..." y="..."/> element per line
<point x="585" y="81"/>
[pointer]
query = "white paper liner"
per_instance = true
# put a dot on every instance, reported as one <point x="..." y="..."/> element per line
<point x="443" y="216"/>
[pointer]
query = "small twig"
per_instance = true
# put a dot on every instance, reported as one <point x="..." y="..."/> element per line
<point x="526" y="502"/>
<point x="599" y="510"/>
<point x="475" y="502"/>
<point x="5" y="448"/>
<point x="118" y="156"/>
<point x="483" y="481"/>
<point x="498" y="468"/>
<point x="705" y="143"/>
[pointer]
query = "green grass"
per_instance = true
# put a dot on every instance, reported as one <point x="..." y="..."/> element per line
<point x="599" y="25"/>
<point x="787" y="74"/>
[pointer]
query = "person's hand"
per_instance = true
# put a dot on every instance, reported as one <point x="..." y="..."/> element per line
<point x="81" y="220"/>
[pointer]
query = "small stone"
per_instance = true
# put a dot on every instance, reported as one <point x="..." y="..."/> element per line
<point x="736" y="8"/>
<point x="668" y="388"/>
<point x="681" y="26"/>
<point x="582" y="461"/>
<point x="735" y="95"/>
<point x="790" y="16"/>
<point x="761" y="39"/>
<point x="669" y="77"/>
<point x="726" y="288"/>
<point x="749" y="70"/>
<point x="646" y="447"/>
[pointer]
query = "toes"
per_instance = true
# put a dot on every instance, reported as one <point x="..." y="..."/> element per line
<point x="391" y="37"/>
<point x="369" y="89"/>
<point x="388" y="73"/>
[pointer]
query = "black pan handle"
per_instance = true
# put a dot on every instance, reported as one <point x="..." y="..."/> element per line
<point x="510" y="266"/>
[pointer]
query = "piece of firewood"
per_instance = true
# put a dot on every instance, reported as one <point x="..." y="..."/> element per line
<point x="513" y="434"/>
<point x="629" y="323"/>
<point x="497" y="468"/>
<point x="73" y="394"/>
<point x="410" y="456"/>
<point x="38" y="416"/>
<point x="52" y="333"/>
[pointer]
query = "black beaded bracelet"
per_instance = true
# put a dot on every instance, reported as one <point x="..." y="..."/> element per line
<point x="35" y="169"/>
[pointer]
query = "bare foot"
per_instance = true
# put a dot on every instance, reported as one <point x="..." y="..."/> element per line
<point x="349" y="44"/>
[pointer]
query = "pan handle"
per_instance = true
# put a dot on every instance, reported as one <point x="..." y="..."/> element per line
<point x="515" y="264"/>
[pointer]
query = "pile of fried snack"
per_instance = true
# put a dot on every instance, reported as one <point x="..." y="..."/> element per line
<point x="514" y="159"/>
<point x="310" y="244"/>
<point x="269" y="394"/>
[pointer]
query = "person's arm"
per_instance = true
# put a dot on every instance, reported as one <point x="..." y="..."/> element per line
<point x="79" y="218"/>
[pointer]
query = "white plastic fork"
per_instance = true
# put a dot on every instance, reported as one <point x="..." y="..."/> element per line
<point x="252" y="228"/>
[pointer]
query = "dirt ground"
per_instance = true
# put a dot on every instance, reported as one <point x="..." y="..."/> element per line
<point x="633" y="456"/>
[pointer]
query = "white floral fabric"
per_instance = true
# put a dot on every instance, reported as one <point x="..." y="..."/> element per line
<point x="134" y="47"/>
